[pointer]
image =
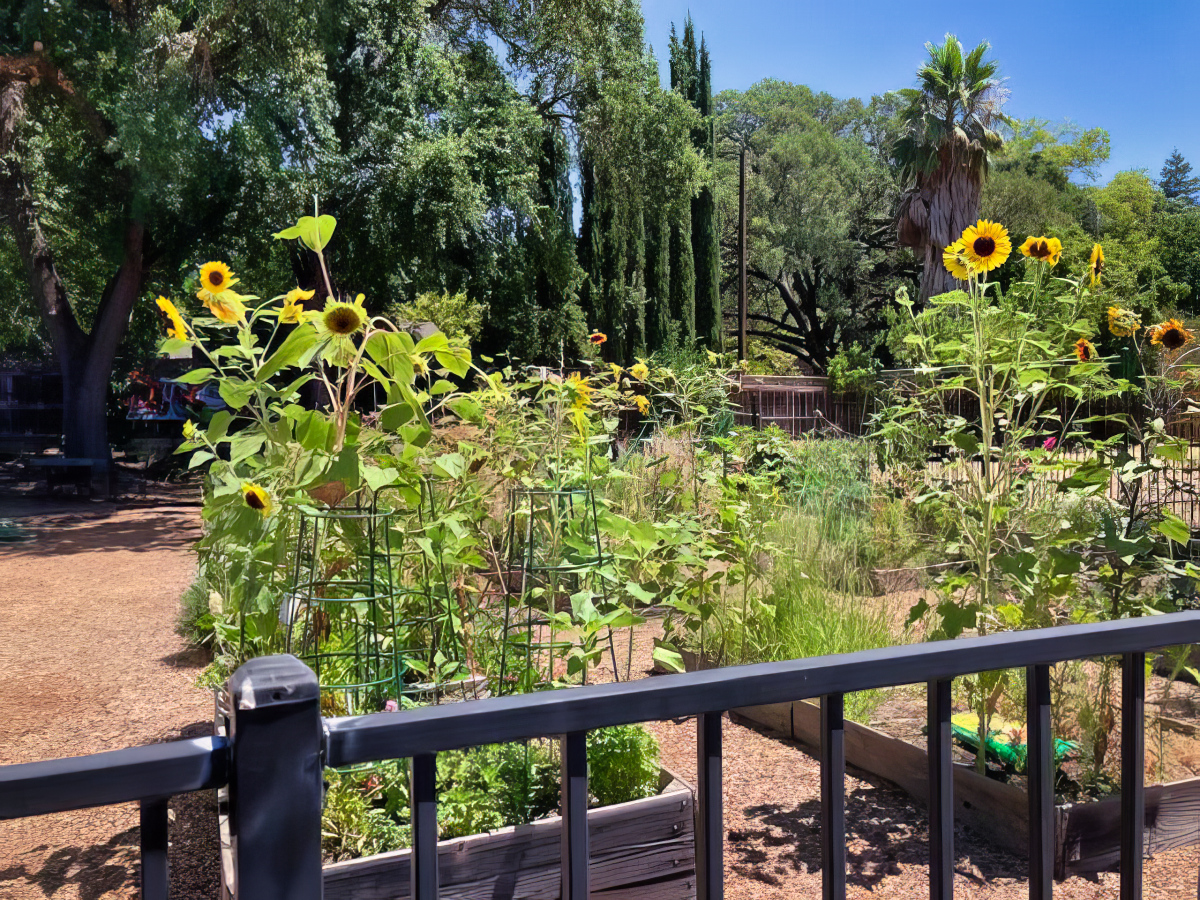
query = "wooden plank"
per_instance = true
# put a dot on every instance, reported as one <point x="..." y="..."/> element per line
<point x="643" y="847"/>
<point x="1091" y="832"/>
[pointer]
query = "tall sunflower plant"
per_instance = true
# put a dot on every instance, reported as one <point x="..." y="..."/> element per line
<point x="268" y="455"/>
<point x="1001" y="389"/>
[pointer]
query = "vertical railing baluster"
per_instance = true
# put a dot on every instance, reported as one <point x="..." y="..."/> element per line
<point x="710" y="810"/>
<point x="1040" y="770"/>
<point x="941" y="792"/>
<point x="155" y="875"/>
<point x="575" y="855"/>
<point x="833" y="798"/>
<point x="1133" y="790"/>
<point x="422" y="781"/>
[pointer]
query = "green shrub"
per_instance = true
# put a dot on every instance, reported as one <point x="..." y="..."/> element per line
<point x="481" y="789"/>
<point x="194" y="622"/>
<point x="622" y="764"/>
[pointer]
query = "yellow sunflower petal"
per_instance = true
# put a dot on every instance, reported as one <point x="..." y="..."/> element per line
<point x="1096" y="263"/>
<point x="177" y="328"/>
<point x="955" y="261"/>
<point x="257" y="499"/>
<point x="986" y="245"/>
<point x="216" y="277"/>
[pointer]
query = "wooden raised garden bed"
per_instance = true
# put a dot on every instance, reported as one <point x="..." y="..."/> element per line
<point x="642" y="849"/>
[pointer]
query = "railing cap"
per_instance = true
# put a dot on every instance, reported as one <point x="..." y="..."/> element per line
<point x="272" y="681"/>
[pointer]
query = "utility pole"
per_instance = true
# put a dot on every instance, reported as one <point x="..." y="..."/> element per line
<point x="742" y="304"/>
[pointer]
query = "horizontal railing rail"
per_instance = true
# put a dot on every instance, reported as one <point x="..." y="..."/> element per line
<point x="279" y="745"/>
<point x="118" y="776"/>
<point x="432" y="729"/>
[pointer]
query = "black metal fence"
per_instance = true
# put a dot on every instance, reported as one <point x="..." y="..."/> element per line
<point x="279" y="745"/>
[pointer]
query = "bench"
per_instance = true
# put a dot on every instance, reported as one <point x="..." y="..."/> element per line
<point x="77" y="471"/>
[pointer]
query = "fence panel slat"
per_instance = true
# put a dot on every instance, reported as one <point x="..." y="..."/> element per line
<point x="575" y="854"/>
<point x="710" y="835"/>
<point x="1040" y="768"/>
<point x="156" y="879"/>
<point x="833" y="797"/>
<point x="422" y="782"/>
<point x="1133" y="756"/>
<point x="941" y="792"/>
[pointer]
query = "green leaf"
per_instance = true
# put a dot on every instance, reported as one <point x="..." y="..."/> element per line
<point x="289" y="353"/>
<point x="451" y="465"/>
<point x="196" y="376"/>
<point x="314" y="233"/>
<point x="668" y="659"/>
<point x="236" y="392"/>
<point x="1174" y="528"/>
<point x="467" y="410"/>
<point x="377" y="478"/>
<point x="219" y="426"/>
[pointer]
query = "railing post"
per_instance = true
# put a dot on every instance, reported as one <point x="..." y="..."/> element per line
<point x="275" y="780"/>
<point x="941" y="791"/>
<point x="710" y="810"/>
<point x="156" y="878"/>
<point x="1133" y="761"/>
<point x="833" y="797"/>
<point x="1040" y="769"/>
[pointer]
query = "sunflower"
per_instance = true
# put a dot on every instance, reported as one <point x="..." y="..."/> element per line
<point x="1170" y="334"/>
<point x="955" y="260"/>
<point x="342" y="319"/>
<point x="293" y="306"/>
<point x="1043" y="249"/>
<point x="176" y="328"/>
<point x="1085" y="351"/>
<point x="226" y="306"/>
<point x="640" y="371"/>
<point x="189" y="430"/>
<point x="1122" y="322"/>
<point x="643" y="404"/>
<point x="597" y="338"/>
<point x="216" y="277"/>
<point x="256" y="498"/>
<point x="986" y="245"/>
<point x="580" y="390"/>
<point x="1096" y="263"/>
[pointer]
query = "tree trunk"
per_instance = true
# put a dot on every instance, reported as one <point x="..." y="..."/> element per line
<point x="84" y="359"/>
<point x="933" y="214"/>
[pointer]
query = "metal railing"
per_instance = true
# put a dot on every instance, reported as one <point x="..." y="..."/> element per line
<point x="279" y="744"/>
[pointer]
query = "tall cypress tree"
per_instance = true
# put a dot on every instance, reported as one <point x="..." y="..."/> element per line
<point x="681" y="255"/>
<point x="683" y="277"/>
<point x="658" y="278"/>
<point x="705" y="248"/>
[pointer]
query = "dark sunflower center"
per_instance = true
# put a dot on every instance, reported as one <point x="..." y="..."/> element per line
<point x="984" y="246"/>
<point x="342" y="320"/>
<point x="254" y="501"/>
<point x="1040" y="249"/>
<point x="1173" y="339"/>
<point x="216" y="278"/>
<point x="1098" y="266"/>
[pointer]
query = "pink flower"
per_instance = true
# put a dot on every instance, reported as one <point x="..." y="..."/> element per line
<point x="391" y="706"/>
<point x="1050" y="443"/>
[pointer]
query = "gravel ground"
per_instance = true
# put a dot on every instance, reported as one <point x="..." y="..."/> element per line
<point x="91" y="663"/>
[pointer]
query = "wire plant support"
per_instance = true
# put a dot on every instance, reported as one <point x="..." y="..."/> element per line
<point x="555" y="561"/>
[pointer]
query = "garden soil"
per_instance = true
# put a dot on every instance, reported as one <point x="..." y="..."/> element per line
<point x="91" y="662"/>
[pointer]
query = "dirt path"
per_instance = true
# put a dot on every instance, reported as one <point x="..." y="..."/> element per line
<point x="90" y="662"/>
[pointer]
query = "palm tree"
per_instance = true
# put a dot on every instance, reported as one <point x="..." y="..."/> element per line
<point x="949" y="135"/>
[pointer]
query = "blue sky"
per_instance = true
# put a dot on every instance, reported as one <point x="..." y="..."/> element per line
<point x="1129" y="67"/>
